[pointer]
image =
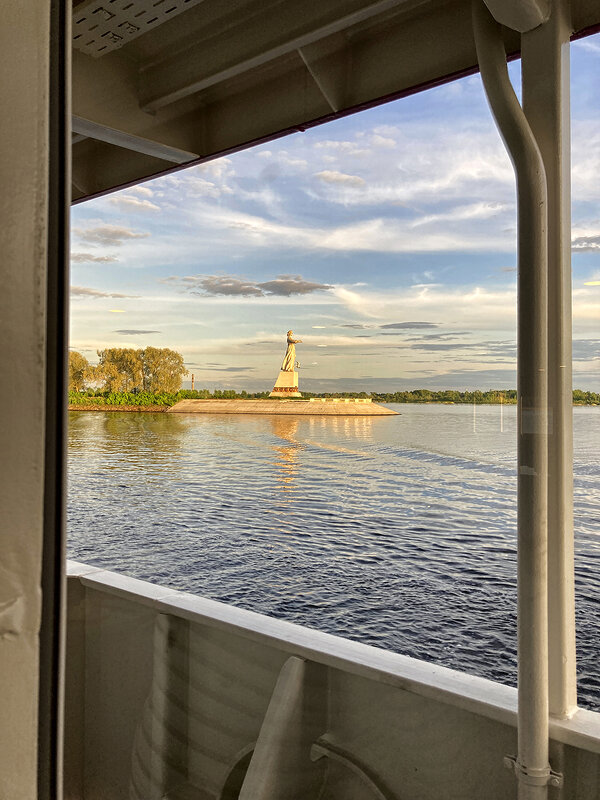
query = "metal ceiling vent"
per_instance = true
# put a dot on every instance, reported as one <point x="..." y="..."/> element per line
<point x="100" y="26"/>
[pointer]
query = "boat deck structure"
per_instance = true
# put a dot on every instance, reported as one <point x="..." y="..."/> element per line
<point x="115" y="689"/>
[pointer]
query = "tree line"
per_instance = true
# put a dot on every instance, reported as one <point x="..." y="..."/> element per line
<point x="152" y="370"/>
<point x="169" y="398"/>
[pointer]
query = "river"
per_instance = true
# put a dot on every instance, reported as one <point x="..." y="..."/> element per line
<point x="399" y="532"/>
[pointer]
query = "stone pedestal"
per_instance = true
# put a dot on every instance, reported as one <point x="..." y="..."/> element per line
<point x="286" y="385"/>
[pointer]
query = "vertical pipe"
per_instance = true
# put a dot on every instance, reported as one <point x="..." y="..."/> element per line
<point x="545" y="63"/>
<point x="532" y="766"/>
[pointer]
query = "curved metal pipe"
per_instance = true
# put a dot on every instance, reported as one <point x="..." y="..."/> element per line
<point x="532" y="767"/>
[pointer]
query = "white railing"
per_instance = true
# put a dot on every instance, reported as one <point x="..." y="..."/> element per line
<point x="175" y="696"/>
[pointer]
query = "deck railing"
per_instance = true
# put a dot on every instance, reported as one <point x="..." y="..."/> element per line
<point x="175" y="696"/>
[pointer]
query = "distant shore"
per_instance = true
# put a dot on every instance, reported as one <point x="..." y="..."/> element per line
<point x="146" y="401"/>
<point x="97" y="407"/>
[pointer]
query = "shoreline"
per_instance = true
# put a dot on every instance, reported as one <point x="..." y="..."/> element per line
<point x="90" y="407"/>
<point x="164" y="409"/>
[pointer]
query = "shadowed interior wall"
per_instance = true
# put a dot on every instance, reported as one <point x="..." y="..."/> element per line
<point x="24" y="36"/>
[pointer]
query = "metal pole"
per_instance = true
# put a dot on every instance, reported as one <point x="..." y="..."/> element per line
<point x="545" y="64"/>
<point x="532" y="767"/>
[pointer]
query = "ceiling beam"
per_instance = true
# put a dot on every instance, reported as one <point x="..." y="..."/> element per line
<point x="102" y="133"/>
<point x="329" y="68"/>
<point x="276" y="33"/>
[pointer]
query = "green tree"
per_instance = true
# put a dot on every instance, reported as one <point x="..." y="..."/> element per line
<point x="121" y="369"/>
<point x="163" y="369"/>
<point x="79" y="368"/>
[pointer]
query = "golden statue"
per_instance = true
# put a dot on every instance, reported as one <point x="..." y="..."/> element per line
<point x="289" y="360"/>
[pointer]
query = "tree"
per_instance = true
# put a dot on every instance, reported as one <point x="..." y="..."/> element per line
<point x="154" y="370"/>
<point x="163" y="369"/>
<point x="79" y="368"/>
<point x="121" y="369"/>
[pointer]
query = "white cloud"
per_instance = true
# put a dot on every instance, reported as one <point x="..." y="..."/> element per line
<point x="480" y="210"/>
<point x="84" y="291"/>
<point x="586" y="244"/>
<point x="108" y="234"/>
<point x="332" y="176"/>
<point x="382" y="141"/>
<point x="142" y="191"/>
<point x="83" y="258"/>
<point x="477" y="307"/>
<point x="378" y="234"/>
<point x="347" y="148"/>
<point x="131" y="202"/>
<point x="585" y="160"/>
<point x="210" y="180"/>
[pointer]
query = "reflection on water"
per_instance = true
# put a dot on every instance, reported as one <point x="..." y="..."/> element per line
<point x="157" y="437"/>
<point x="396" y="531"/>
<point x="285" y="428"/>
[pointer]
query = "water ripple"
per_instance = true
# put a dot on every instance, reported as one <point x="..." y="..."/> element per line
<point x="399" y="532"/>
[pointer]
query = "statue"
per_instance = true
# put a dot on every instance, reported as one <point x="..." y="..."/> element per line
<point x="286" y="384"/>
<point x="289" y="360"/>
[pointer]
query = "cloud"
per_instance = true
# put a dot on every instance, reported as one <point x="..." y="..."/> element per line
<point x="332" y="176"/>
<point x="434" y="347"/>
<point x="591" y="44"/>
<point x="460" y="379"/>
<point x="84" y="291"/>
<point x="586" y="244"/>
<point x="382" y="141"/>
<point x="381" y="234"/>
<point x="222" y="285"/>
<point x="210" y="180"/>
<point x="108" y="234"/>
<point x="135" y="332"/>
<point x="83" y="258"/>
<point x="131" y="202"/>
<point x="477" y="307"/>
<point x="287" y="285"/>
<point x="409" y="325"/>
<point x="339" y="147"/>
<point x="471" y="211"/>
<point x="143" y="191"/>
<point x="429" y="337"/>
<point x="230" y="286"/>
<point x="586" y="349"/>
<point x="227" y="369"/>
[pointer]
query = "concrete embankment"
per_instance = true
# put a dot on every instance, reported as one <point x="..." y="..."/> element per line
<point x="314" y="407"/>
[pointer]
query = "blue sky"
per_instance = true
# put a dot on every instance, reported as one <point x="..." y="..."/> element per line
<point x="385" y="240"/>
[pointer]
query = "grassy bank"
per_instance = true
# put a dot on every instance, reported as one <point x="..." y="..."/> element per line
<point x="145" y="401"/>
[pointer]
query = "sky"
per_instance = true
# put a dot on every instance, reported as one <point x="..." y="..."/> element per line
<point x="386" y="241"/>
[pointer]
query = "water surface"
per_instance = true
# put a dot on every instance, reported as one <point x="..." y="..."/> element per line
<point x="395" y="531"/>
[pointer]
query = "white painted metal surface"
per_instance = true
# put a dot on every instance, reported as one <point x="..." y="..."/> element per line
<point x="520" y="15"/>
<point x="24" y="196"/>
<point x="103" y="133"/>
<point x="222" y="76"/>
<point x="201" y="690"/>
<point x="421" y="730"/>
<point x="198" y="67"/>
<point x="101" y="26"/>
<point x="532" y="766"/>
<point x="546" y="90"/>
